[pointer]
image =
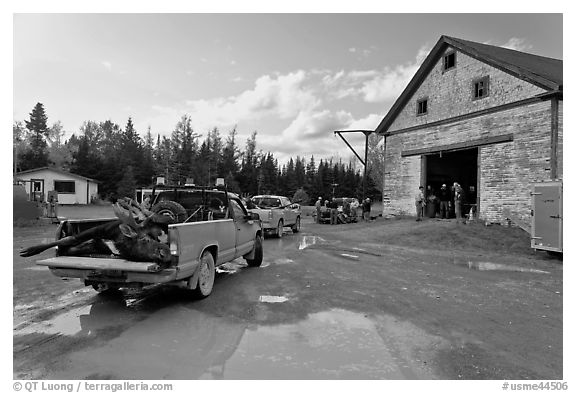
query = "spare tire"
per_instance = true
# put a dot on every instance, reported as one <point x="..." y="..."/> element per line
<point x="170" y="208"/>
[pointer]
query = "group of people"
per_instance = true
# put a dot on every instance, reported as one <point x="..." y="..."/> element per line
<point x="446" y="197"/>
<point x="349" y="209"/>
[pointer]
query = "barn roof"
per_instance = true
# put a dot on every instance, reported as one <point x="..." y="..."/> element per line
<point x="57" y="171"/>
<point x="541" y="71"/>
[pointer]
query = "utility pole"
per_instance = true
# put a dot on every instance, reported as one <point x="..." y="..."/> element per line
<point x="365" y="161"/>
<point x="334" y="185"/>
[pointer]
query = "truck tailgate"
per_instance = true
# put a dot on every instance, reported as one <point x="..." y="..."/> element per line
<point x="99" y="264"/>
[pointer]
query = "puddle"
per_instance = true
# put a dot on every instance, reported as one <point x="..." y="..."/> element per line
<point x="183" y="343"/>
<point x="489" y="266"/>
<point x="283" y="261"/>
<point x="67" y="324"/>
<point x="350" y="256"/>
<point x="37" y="268"/>
<point x="229" y="268"/>
<point x="308" y="241"/>
<point x="272" y="299"/>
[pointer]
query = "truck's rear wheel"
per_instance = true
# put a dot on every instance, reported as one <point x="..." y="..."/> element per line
<point x="296" y="227"/>
<point x="280" y="229"/>
<point x="258" y="253"/>
<point x="170" y="208"/>
<point x="206" y="275"/>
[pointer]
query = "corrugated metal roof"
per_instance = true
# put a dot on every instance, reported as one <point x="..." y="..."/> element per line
<point x="541" y="71"/>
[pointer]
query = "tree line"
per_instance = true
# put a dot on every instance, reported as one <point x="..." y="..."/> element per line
<point x="122" y="160"/>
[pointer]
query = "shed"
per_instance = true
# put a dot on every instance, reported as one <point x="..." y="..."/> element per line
<point x="487" y="117"/>
<point x="71" y="188"/>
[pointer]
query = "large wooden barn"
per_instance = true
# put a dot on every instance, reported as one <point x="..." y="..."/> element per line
<point x="486" y="117"/>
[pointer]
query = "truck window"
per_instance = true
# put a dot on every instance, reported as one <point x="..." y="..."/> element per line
<point x="267" y="202"/>
<point x="237" y="209"/>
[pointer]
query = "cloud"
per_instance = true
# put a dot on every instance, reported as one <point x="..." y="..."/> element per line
<point x="312" y="133"/>
<point x="374" y="86"/>
<point x="283" y="96"/>
<point x="518" y="44"/>
<point x="106" y="65"/>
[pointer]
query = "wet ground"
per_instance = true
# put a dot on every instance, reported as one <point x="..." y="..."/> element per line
<point x="331" y="302"/>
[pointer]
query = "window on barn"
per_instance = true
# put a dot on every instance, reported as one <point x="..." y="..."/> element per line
<point x="480" y="88"/>
<point x="422" y="106"/>
<point x="449" y="61"/>
<point x="64" y="186"/>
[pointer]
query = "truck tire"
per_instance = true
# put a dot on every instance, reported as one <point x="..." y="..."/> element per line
<point x="296" y="227"/>
<point x="280" y="229"/>
<point x="206" y="275"/>
<point x="258" y="253"/>
<point x="172" y="209"/>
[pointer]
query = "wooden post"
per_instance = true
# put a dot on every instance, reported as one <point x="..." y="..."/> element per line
<point x="554" y="139"/>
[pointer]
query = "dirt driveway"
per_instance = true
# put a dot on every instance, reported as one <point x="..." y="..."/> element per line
<point x="388" y="299"/>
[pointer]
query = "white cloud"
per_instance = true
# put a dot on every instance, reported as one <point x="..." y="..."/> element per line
<point x="392" y="81"/>
<point x="106" y="65"/>
<point x="518" y="44"/>
<point x="283" y="96"/>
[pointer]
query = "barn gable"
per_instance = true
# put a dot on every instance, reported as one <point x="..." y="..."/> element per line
<point x="511" y="76"/>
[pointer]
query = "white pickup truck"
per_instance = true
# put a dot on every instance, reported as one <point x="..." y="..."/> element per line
<point x="196" y="249"/>
<point x="276" y="212"/>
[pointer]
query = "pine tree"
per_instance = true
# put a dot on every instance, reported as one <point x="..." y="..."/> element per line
<point x="127" y="185"/>
<point x="37" y="155"/>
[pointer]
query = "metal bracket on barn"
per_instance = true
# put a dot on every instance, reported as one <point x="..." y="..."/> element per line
<point x="363" y="161"/>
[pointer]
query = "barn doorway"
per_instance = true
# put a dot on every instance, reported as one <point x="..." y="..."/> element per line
<point x="455" y="166"/>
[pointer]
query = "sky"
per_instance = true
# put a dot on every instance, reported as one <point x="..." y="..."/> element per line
<point x="292" y="78"/>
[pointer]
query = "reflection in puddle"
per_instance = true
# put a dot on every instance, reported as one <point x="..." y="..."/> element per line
<point x="489" y="266"/>
<point x="350" y="256"/>
<point x="182" y="343"/>
<point x="307" y="241"/>
<point x="335" y="344"/>
<point x="273" y="299"/>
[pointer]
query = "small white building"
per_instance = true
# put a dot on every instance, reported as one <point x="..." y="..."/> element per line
<point x="72" y="189"/>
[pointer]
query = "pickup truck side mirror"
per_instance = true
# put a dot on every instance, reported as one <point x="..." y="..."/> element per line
<point x="252" y="216"/>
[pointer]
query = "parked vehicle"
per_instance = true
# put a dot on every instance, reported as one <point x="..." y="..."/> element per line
<point x="276" y="213"/>
<point x="202" y="241"/>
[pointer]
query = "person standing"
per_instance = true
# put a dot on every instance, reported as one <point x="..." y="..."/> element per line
<point x="420" y="203"/>
<point x="333" y="212"/>
<point x="458" y="200"/>
<point x="318" y="206"/>
<point x="354" y="208"/>
<point x="366" y="207"/>
<point x="444" y="196"/>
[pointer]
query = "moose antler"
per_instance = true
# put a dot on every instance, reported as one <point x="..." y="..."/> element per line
<point x="124" y="215"/>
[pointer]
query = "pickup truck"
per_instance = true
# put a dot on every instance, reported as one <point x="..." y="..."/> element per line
<point x="276" y="212"/>
<point x="196" y="248"/>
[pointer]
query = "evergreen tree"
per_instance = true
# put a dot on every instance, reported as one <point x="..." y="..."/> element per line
<point x="37" y="155"/>
<point x="248" y="176"/>
<point x="127" y="185"/>
<point x="229" y="167"/>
